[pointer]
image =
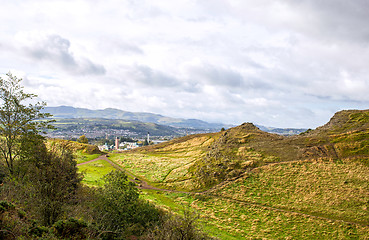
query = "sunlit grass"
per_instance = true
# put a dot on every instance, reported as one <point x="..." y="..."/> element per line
<point x="156" y="169"/>
<point x="84" y="157"/>
<point x="228" y="219"/>
<point x="338" y="191"/>
<point x="94" y="171"/>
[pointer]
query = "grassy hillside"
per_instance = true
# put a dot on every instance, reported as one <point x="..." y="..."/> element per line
<point x="205" y="160"/>
<point x="75" y="147"/>
<point x="255" y="184"/>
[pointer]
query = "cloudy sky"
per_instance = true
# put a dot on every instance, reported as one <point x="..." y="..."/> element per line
<point x="281" y="63"/>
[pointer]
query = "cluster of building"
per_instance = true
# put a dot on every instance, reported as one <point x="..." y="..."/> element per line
<point x="124" y="146"/>
<point x="121" y="146"/>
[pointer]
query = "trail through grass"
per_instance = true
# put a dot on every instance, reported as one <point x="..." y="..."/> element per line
<point x="94" y="171"/>
<point x="85" y="157"/>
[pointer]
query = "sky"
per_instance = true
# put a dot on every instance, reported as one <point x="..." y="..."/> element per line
<point x="279" y="63"/>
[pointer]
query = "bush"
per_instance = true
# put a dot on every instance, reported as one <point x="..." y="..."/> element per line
<point x="71" y="228"/>
<point x="119" y="209"/>
<point x="177" y="227"/>
<point x="5" y="206"/>
<point x="39" y="231"/>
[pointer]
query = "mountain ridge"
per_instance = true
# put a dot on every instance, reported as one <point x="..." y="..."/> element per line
<point x="68" y="112"/>
<point x="112" y="113"/>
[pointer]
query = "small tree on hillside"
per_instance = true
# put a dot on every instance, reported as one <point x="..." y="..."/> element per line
<point x="82" y="139"/>
<point x="17" y="121"/>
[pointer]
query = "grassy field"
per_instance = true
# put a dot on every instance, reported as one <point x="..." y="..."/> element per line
<point x="228" y="219"/>
<point x="164" y="170"/>
<point x="331" y="190"/>
<point x="82" y="157"/>
<point x="271" y="202"/>
<point x="94" y="171"/>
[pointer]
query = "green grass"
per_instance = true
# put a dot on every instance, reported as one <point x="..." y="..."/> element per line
<point x="162" y="170"/>
<point x="231" y="220"/>
<point x="337" y="191"/>
<point x="177" y="202"/>
<point x="94" y="171"/>
<point x="82" y="157"/>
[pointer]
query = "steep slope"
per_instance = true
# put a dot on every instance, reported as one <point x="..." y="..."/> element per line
<point x="345" y="138"/>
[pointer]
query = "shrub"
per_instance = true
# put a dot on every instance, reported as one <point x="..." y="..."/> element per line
<point x="71" y="228"/>
<point x="119" y="209"/>
<point x="177" y="227"/>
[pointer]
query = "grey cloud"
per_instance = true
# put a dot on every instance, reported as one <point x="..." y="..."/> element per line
<point x="229" y="78"/>
<point x="130" y="48"/>
<point x="336" y="19"/>
<point x="54" y="48"/>
<point x="153" y="78"/>
<point x="119" y="46"/>
<point x="218" y="76"/>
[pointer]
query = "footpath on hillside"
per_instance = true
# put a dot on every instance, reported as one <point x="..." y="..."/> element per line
<point x="140" y="183"/>
<point x="144" y="185"/>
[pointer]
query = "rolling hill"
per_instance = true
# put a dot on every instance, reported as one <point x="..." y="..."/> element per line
<point x="101" y="127"/>
<point x="249" y="184"/>
<point x="68" y="113"/>
<point x="111" y="113"/>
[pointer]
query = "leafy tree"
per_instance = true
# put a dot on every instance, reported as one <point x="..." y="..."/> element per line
<point x="18" y="122"/>
<point x="53" y="182"/>
<point x="119" y="209"/>
<point x="82" y="139"/>
<point x="49" y="184"/>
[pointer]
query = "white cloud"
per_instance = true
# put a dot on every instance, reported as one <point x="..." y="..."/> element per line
<point x="279" y="63"/>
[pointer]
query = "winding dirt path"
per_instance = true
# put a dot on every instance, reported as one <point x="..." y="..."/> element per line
<point x="144" y="185"/>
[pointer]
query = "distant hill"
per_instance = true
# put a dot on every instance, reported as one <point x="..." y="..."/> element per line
<point x="101" y="127"/>
<point x="111" y="113"/>
<point x="68" y="112"/>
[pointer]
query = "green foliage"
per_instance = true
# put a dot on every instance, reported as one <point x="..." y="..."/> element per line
<point x="71" y="228"/>
<point x="119" y="209"/>
<point x="17" y="120"/>
<point x="55" y="183"/>
<point x="178" y="227"/>
<point x="39" y="231"/>
<point x="5" y="205"/>
<point x="48" y="183"/>
<point x="82" y="139"/>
